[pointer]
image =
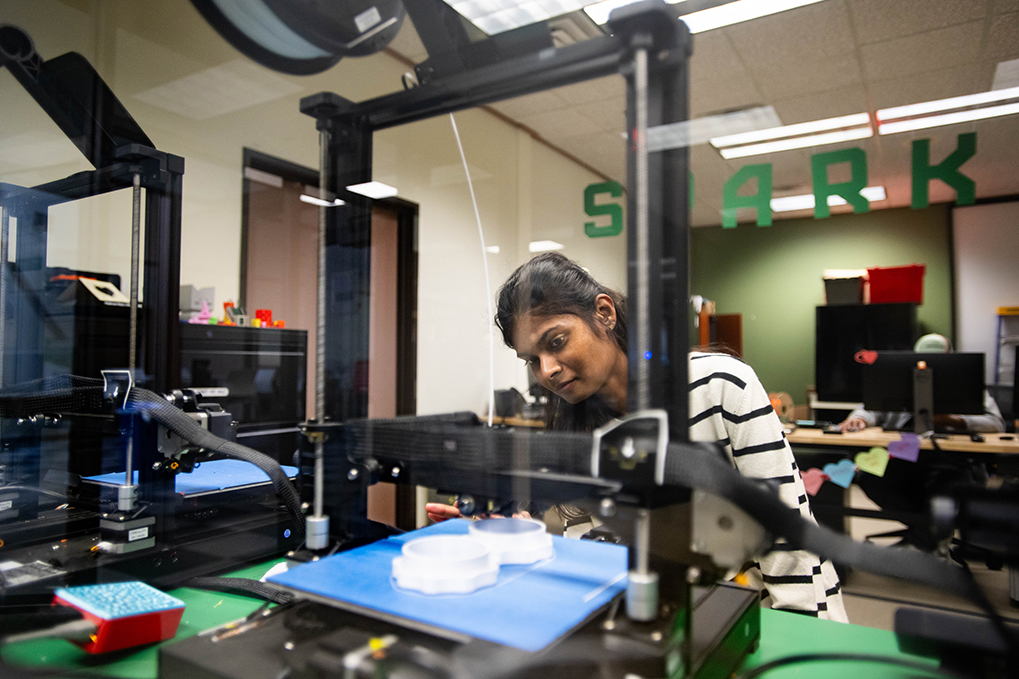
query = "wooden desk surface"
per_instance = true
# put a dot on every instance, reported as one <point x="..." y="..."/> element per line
<point x="875" y="436"/>
<point x="514" y="421"/>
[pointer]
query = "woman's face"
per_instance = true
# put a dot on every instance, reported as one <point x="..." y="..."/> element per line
<point x="570" y="358"/>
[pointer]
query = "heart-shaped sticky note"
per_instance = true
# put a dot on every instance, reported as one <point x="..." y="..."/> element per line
<point x="874" y="461"/>
<point x="841" y="473"/>
<point x="813" y="479"/>
<point x="865" y="356"/>
<point x="907" y="449"/>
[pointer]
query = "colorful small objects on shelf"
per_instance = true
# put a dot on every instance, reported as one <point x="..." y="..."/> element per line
<point x="203" y="316"/>
<point x="265" y="316"/>
<point x="228" y="312"/>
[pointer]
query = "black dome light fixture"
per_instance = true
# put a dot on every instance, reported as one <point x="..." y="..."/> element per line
<point x="303" y="37"/>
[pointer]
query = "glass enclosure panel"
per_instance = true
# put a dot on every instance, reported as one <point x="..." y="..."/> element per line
<point x="831" y="181"/>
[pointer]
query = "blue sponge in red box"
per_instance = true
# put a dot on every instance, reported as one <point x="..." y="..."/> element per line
<point x="125" y="614"/>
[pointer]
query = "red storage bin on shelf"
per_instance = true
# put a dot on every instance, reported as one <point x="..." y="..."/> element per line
<point x="896" y="284"/>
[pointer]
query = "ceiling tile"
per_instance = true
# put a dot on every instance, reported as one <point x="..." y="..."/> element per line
<point x="933" y="85"/>
<point x="939" y="49"/>
<point x="879" y="20"/>
<point x="718" y="80"/>
<point x="609" y="115"/>
<point x="1003" y="39"/>
<point x="820" y="31"/>
<point x="807" y="77"/>
<point x="530" y="105"/>
<point x="599" y="89"/>
<point x="840" y="102"/>
<point x="560" y="124"/>
<point x="408" y="44"/>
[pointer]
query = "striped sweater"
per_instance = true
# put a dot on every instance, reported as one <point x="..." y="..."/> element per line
<point x="728" y="405"/>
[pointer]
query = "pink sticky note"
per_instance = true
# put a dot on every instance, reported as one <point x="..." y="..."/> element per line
<point x="907" y="449"/>
<point x="813" y="479"/>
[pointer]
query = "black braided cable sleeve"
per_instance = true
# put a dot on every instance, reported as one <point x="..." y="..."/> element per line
<point x="246" y="586"/>
<point x="57" y="394"/>
<point x="177" y="421"/>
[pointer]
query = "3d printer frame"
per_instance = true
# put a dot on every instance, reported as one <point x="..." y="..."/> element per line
<point x="650" y="48"/>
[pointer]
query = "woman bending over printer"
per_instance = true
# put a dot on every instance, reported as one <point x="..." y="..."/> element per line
<point x="571" y="332"/>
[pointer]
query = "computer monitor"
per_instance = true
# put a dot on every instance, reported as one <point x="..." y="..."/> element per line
<point x="957" y="382"/>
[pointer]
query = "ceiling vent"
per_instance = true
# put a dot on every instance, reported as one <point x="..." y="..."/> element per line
<point x="569" y="29"/>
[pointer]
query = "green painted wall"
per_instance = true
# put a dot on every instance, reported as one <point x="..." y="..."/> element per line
<point x="772" y="275"/>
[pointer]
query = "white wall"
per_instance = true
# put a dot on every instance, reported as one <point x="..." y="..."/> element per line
<point x="196" y="97"/>
<point x="986" y="245"/>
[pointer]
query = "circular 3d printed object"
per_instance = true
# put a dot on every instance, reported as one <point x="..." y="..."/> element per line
<point x="445" y="564"/>
<point x="513" y="541"/>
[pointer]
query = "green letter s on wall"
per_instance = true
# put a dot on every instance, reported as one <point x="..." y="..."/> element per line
<point x="615" y="210"/>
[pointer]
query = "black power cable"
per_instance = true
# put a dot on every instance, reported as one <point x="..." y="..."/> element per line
<point x="244" y="586"/>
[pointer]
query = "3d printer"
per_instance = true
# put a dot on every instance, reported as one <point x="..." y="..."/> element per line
<point x="641" y="471"/>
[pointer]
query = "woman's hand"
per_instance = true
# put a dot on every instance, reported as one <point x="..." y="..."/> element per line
<point x="853" y="424"/>
<point x="438" y="512"/>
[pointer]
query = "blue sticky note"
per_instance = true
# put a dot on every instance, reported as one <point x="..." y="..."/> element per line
<point x="841" y="473"/>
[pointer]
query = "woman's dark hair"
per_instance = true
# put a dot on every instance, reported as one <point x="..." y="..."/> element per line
<point x="553" y="285"/>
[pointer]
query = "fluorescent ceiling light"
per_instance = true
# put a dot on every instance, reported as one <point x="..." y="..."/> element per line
<point x="318" y="201"/>
<point x="736" y="12"/>
<point x="915" y="116"/>
<point x="709" y="19"/>
<point x="492" y="249"/>
<point x="797" y="143"/>
<point x="496" y="16"/>
<point x="873" y="194"/>
<point x="966" y="101"/>
<point x="599" y="11"/>
<point x="948" y="119"/>
<point x="544" y="246"/>
<point x="792" y="130"/>
<point x="702" y="130"/>
<point x="373" y="189"/>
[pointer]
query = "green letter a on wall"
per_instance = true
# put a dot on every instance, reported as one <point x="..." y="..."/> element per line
<point x="849" y="191"/>
<point x="947" y="171"/>
<point x="761" y="201"/>
<point x="615" y="210"/>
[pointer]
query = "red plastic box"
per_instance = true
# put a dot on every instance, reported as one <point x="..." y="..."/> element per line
<point x="896" y="284"/>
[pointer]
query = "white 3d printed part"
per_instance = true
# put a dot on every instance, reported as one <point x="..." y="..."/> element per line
<point x="513" y="541"/>
<point x="445" y="564"/>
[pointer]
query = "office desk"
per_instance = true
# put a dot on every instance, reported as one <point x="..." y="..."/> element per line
<point x="875" y="436"/>
<point x="782" y="634"/>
